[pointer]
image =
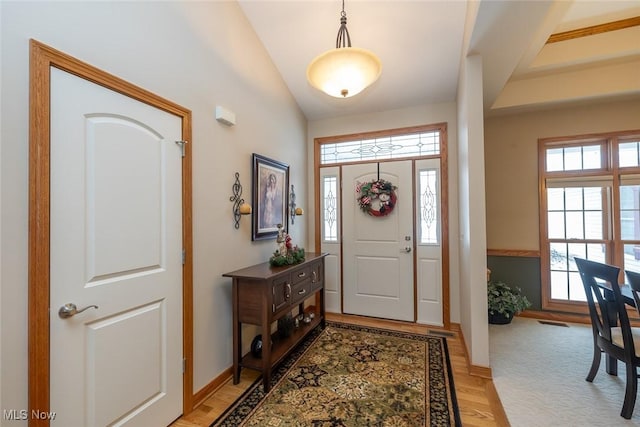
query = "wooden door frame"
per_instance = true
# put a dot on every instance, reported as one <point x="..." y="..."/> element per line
<point x="42" y="58"/>
<point x="444" y="188"/>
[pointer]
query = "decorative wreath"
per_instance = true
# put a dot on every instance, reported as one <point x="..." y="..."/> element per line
<point x="377" y="198"/>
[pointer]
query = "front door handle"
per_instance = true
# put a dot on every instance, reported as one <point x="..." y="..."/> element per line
<point x="407" y="249"/>
<point x="70" y="309"/>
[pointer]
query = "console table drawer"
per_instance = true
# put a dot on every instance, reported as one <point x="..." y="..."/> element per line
<point x="300" y="291"/>
<point x="300" y="275"/>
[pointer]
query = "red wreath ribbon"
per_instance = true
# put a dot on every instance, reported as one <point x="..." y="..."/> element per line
<point x="380" y="187"/>
<point x="386" y="208"/>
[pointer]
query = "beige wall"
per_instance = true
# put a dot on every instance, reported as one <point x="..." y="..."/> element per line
<point x="511" y="159"/>
<point x="199" y="55"/>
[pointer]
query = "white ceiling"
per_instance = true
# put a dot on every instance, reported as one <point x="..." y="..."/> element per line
<point x="421" y="44"/>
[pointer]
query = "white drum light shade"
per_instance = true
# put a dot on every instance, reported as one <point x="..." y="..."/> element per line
<point x="344" y="72"/>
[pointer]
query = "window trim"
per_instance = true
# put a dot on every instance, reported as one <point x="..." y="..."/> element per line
<point x="609" y="172"/>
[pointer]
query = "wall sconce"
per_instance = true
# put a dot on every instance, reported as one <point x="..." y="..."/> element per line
<point x="293" y="210"/>
<point x="239" y="206"/>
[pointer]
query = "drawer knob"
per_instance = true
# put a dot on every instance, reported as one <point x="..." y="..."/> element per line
<point x="287" y="295"/>
<point x="314" y="276"/>
<point x="302" y="291"/>
<point x="302" y="274"/>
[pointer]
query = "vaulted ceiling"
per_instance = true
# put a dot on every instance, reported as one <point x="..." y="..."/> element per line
<point x="421" y="44"/>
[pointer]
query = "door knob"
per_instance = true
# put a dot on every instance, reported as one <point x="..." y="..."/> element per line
<point x="407" y="249"/>
<point x="70" y="309"/>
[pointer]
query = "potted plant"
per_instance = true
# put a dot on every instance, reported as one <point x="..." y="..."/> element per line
<point x="504" y="302"/>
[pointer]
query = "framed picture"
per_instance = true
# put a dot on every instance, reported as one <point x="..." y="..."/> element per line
<point x="270" y="197"/>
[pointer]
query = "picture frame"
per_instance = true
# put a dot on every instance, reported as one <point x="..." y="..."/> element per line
<point x="270" y="197"/>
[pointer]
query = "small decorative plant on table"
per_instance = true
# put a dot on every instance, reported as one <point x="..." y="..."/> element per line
<point x="287" y="253"/>
<point x="504" y="302"/>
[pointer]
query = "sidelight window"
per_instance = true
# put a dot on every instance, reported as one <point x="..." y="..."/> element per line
<point x="329" y="208"/>
<point x="429" y="224"/>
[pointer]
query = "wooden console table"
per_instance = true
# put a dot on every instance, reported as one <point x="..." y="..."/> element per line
<point x="261" y="295"/>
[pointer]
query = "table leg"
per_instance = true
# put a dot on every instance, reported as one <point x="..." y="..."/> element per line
<point x="266" y="353"/>
<point x="237" y="335"/>
<point x="323" y="323"/>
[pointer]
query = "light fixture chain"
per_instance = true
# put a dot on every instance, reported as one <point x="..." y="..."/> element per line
<point x="343" y="39"/>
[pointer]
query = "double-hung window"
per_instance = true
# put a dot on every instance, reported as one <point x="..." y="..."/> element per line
<point x="589" y="208"/>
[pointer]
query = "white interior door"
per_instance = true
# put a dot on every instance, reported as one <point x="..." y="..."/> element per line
<point x="377" y="258"/>
<point x="116" y="242"/>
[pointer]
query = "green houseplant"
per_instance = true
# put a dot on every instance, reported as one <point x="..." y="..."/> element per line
<point x="504" y="301"/>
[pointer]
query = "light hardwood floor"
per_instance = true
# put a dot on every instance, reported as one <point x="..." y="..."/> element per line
<point x="477" y="398"/>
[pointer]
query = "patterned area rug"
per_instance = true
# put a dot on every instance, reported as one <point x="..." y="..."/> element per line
<point x="348" y="375"/>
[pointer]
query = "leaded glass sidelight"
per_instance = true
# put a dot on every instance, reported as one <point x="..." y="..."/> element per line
<point x="330" y="208"/>
<point x="428" y="182"/>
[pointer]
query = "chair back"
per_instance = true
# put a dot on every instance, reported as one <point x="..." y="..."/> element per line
<point x="605" y="313"/>
<point x="634" y="283"/>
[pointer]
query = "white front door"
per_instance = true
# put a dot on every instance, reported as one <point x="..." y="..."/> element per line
<point x="377" y="250"/>
<point x="116" y="243"/>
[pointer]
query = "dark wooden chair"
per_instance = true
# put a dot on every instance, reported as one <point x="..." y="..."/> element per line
<point x="606" y="312"/>
<point x="634" y="283"/>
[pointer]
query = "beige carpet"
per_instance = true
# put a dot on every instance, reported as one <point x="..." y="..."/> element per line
<point x="539" y="371"/>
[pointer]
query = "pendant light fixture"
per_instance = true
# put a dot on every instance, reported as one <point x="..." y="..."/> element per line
<point x="344" y="71"/>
